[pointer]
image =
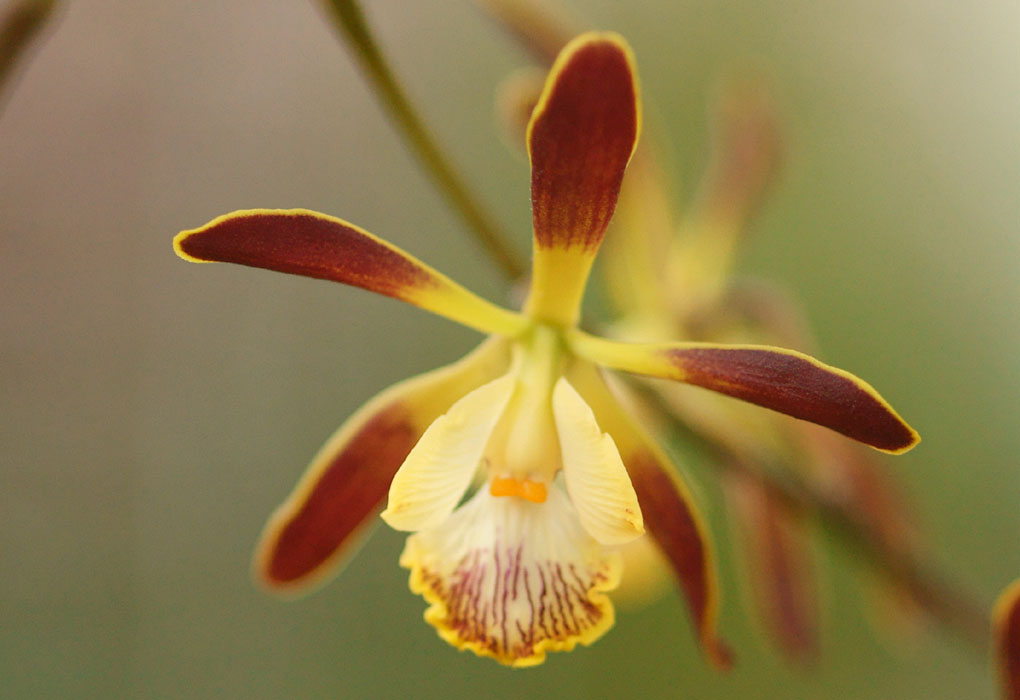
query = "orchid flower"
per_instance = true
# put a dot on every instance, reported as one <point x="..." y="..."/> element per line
<point x="668" y="277"/>
<point x="523" y="566"/>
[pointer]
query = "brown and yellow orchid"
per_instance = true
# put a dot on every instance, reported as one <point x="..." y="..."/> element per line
<point x="523" y="565"/>
<point x="668" y="278"/>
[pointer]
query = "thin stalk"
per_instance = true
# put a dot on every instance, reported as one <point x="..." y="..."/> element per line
<point x="933" y="589"/>
<point x="350" y="21"/>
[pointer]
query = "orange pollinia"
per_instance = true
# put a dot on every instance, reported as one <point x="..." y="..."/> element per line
<point x="523" y="565"/>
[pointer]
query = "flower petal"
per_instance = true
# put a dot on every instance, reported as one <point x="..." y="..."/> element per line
<point x="593" y="472"/>
<point x="777" y="554"/>
<point x="307" y="537"/>
<point x="782" y="380"/>
<point x="1006" y="630"/>
<point x="439" y="469"/>
<point x="542" y="28"/>
<point x="642" y="229"/>
<point x="746" y="150"/>
<point x="516" y="97"/>
<point x="310" y="244"/>
<point x="669" y="511"/>
<point x="647" y="575"/>
<point x="855" y="478"/>
<point x="581" y="136"/>
<point x="512" y="579"/>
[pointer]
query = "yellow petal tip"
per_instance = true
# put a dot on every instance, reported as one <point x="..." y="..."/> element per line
<point x="179" y="246"/>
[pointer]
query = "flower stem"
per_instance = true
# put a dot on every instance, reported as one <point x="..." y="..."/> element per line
<point x="350" y="20"/>
<point x="935" y="591"/>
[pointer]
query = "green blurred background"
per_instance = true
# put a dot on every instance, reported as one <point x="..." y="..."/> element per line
<point x="155" y="412"/>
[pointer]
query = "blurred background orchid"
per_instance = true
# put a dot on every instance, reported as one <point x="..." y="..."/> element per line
<point x="140" y="470"/>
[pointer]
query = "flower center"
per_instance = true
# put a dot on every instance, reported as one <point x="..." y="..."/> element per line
<point x="527" y="489"/>
<point x="523" y="452"/>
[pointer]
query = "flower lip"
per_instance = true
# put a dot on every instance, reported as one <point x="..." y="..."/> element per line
<point x="513" y="580"/>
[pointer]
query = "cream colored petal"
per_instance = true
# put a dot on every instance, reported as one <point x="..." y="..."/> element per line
<point x="513" y="580"/>
<point x="440" y="467"/>
<point x="595" y="476"/>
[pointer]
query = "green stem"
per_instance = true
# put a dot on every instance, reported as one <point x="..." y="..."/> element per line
<point x="350" y="20"/>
